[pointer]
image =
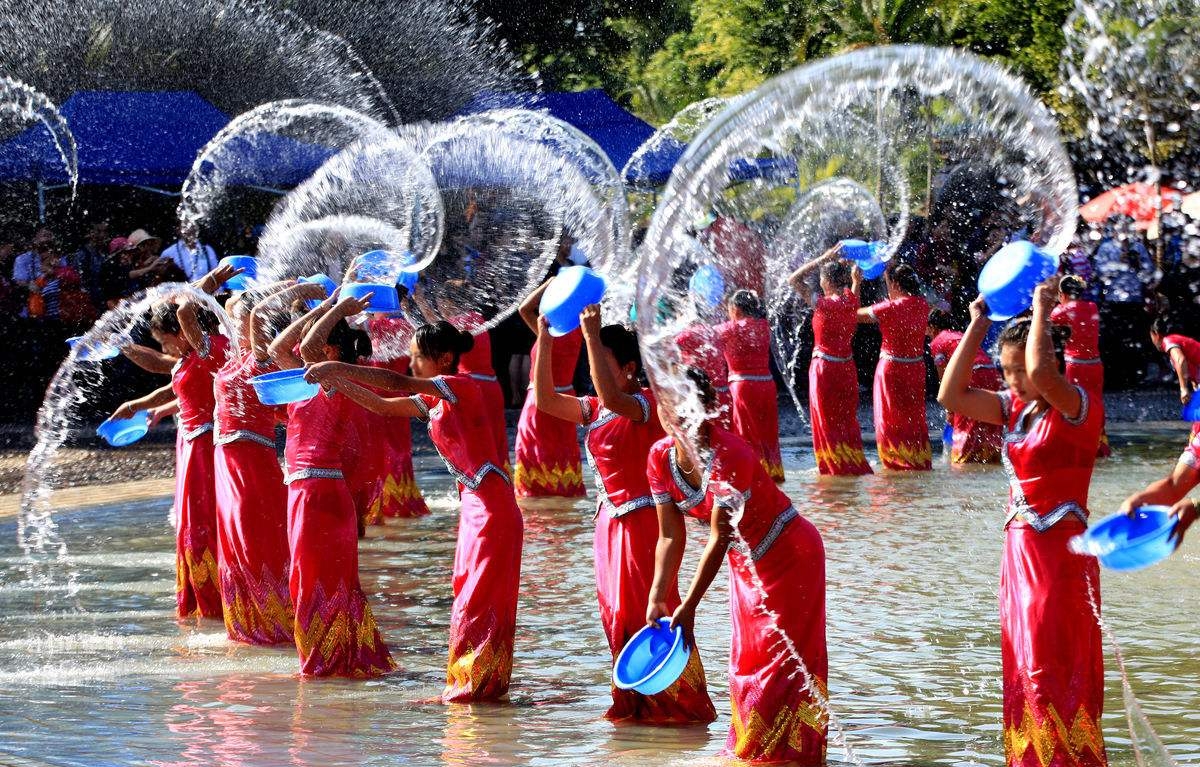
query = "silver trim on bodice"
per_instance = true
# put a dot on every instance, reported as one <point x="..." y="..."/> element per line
<point x="1019" y="505"/>
<point x="196" y="433"/>
<point x="605" y="416"/>
<point x="313" y="473"/>
<point x="243" y="435"/>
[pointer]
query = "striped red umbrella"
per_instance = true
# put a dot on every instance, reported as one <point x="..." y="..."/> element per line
<point x="1133" y="200"/>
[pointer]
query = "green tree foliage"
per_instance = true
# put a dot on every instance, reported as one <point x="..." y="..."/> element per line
<point x="660" y="55"/>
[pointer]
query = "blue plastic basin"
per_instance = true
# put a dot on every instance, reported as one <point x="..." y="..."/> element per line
<point x="708" y="285"/>
<point x="871" y="257"/>
<point x="384" y="298"/>
<point x="93" y="353"/>
<point x="574" y="288"/>
<point x="652" y="659"/>
<point x="1191" y="411"/>
<point x="125" y="431"/>
<point x="1009" y="277"/>
<point x="408" y="279"/>
<point x="322" y="280"/>
<point x="249" y="267"/>
<point x="283" y="387"/>
<point x="1131" y="542"/>
<point x="948" y="436"/>
<point x="380" y="266"/>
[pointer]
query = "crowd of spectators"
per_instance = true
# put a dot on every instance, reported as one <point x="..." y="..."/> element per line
<point x="43" y="278"/>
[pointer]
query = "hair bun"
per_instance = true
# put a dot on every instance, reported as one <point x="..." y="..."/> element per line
<point x="465" y="342"/>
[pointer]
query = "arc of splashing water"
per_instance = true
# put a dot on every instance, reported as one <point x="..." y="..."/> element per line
<point x="22" y="100"/>
<point x="354" y="57"/>
<point x="1133" y="709"/>
<point x="37" y="533"/>
<point x="206" y="176"/>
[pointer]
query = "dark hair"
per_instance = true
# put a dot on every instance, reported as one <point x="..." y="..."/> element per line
<point x="1016" y="333"/>
<point x="837" y="273"/>
<point x="1162" y="326"/>
<point x="704" y="387"/>
<point x="352" y="344"/>
<point x="905" y="278"/>
<point x="623" y="344"/>
<point x="438" y="338"/>
<point x="941" y="320"/>
<point x="164" y="320"/>
<point x="748" y="303"/>
<point x="1071" y="286"/>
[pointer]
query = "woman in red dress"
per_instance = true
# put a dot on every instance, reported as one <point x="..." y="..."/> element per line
<point x="1171" y="489"/>
<point x="1051" y="650"/>
<point x="477" y="363"/>
<point x="972" y="441"/>
<point x="746" y="343"/>
<point x="1084" y="366"/>
<point x="183" y="332"/>
<point x="832" y="374"/>
<point x="621" y="424"/>
<point x="335" y="631"/>
<point x="254" y="558"/>
<point x="700" y="347"/>
<point x="397" y="493"/>
<point x="1185" y="359"/>
<point x="487" y="560"/>
<point x="901" y="433"/>
<point x="776" y="587"/>
<point x="549" y="463"/>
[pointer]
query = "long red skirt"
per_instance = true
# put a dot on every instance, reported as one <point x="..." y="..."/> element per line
<point x="487" y="576"/>
<point x="397" y="494"/>
<point x="624" y="559"/>
<point x="775" y="717"/>
<point x="335" y="630"/>
<point x="549" y="463"/>
<point x="974" y="441"/>
<point x="1091" y="377"/>
<point x="833" y="408"/>
<point x="493" y="403"/>
<point x="253" y="544"/>
<point x="901" y="434"/>
<point x="197" y="580"/>
<point x="1051" y="650"/>
<point x="756" y="420"/>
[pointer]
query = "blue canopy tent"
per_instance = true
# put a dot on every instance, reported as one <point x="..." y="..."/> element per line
<point x="149" y="140"/>
<point x="616" y="130"/>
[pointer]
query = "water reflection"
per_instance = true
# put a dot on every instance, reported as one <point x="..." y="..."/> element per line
<point x="913" y="642"/>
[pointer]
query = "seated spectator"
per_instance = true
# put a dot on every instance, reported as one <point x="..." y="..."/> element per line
<point x="27" y="267"/>
<point x="191" y="255"/>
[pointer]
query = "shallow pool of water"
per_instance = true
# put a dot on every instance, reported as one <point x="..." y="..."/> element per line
<point x="105" y="676"/>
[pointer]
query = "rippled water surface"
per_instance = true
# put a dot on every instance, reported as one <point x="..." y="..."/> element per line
<point x="913" y="642"/>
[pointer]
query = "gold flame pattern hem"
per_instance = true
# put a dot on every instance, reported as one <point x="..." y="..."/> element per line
<point x="1080" y="743"/>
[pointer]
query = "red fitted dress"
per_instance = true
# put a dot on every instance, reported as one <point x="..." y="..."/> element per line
<point x="335" y="631"/>
<point x="548" y="458"/>
<point x="973" y="441"/>
<point x="251" y="510"/>
<point x="477" y="364"/>
<point x="700" y="347"/>
<point x="746" y="345"/>
<point x="197" y="578"/>
<point x="1084" y="366"/>
<point x="1051" y="650"/>
<point x="775" y="718"/>
<point x="487" y="559"/>
<point x="624" y="548"/>
<point x="833" y="388"/>
<point x="901" y="433"/>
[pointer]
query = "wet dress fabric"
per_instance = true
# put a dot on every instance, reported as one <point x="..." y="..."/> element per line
<point x="901" y="432"/>
<point x="197" y="575"/>
<point x="254" y="560"/>
<point x="487" y="557"/>
<point x="833" y="388"/>
<point x="776" y="590"/>
<point x="624" y="546"/>
<point x="1051" y="650"/>
<point x="549" y="463"/>
<point x="335" y="631"/>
